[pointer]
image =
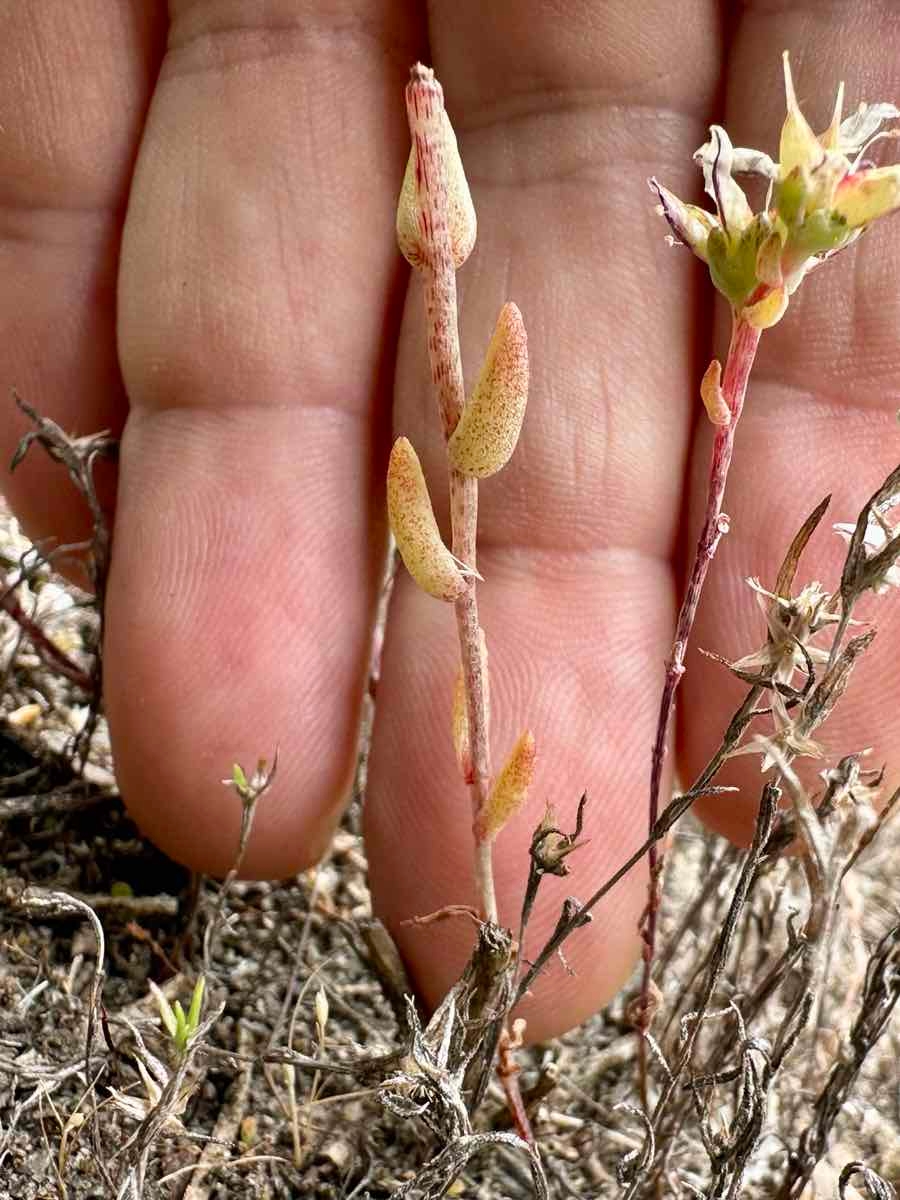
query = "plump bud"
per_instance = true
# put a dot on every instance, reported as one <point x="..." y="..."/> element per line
<point x="488" y="430"/>
<point x="415" y="529"/>
<point x="712" y="395"/>
<point x="510" y="790"/>
<point x="435" y="201"/>
<point x="460" y="716"/>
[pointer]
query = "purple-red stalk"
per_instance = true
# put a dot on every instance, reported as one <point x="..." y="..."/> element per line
<point x="43" y="645"/>
<point x="741" y="353"/>
<point x="508" y="1072"/>
<point x="424" y="106"/>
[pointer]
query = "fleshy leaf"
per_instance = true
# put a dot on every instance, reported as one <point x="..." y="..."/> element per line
<point x="415" y="529"/>
<point x="486" y="434"/>
<point x="712" y="395"/>
<point x="510" y="789"/>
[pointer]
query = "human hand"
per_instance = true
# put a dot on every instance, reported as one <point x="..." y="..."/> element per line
<point x="232" y="169"/>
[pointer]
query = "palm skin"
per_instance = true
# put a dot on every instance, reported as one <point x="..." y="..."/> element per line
<point x="197" y="239"/>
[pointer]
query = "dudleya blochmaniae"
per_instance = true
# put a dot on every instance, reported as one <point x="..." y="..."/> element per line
<point x="821" y="195"/>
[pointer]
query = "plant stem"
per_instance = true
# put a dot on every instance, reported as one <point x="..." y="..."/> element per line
<point x="424" y="105"/>
<point x="765" y="818"/>
<point x="741" y="353"/>
<point x="43" y="645"/>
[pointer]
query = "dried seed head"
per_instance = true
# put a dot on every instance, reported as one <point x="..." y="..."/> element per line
<point x="415" y="529"/>
<point x="487" y="432"/>
<point x="435" y="201"/>
<point x="712" y="395"/>
<point x="510" y="790"/>
<point x="550" y="847"/>
<point x="878" y="535"/>
<point x="791" y="622"/>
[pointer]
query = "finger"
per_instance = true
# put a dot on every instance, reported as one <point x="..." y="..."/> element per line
<point x="821" y="412"/>
<point x="255" y="332"/>
<point x="75" y="81"/>
<point x="560" y="124"/>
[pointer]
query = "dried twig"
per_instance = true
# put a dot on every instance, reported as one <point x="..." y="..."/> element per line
<point x="79" y="456"/>
<point x="876" y="1187"/>
<point x="741" y="354"/>
<point x="879" y="999"/>
<point x="693" y="1024"/>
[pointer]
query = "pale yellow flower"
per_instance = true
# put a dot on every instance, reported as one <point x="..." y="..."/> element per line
<point x="821" y="196"/>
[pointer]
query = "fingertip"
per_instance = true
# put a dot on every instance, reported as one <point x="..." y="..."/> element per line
<point x="184" y="806"/>
<point x="239" y="616"/>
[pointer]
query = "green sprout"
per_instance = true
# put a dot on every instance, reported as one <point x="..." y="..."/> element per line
<point x="180" y="1026"/>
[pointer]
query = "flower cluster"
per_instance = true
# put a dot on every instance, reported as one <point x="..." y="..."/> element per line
<point x="821" y="196"/>
<point x="791" y="623"/>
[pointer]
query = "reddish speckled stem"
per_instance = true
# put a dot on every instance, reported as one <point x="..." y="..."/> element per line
<point x="424" y="106"/>
<point x="741" y="353"/>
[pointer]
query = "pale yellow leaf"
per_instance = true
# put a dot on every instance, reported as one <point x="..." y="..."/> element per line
<point x="487" y="432"/>
<point x="415" y="529"/>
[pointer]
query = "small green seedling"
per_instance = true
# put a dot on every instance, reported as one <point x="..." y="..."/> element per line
<point x="181" y="1027"/>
